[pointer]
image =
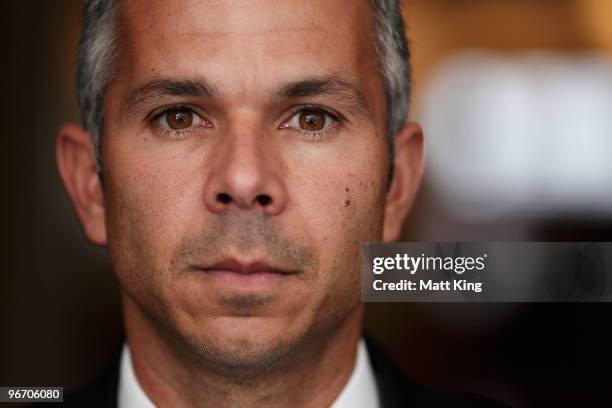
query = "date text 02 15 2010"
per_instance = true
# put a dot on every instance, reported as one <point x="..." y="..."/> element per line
<point x="31" y="394"/>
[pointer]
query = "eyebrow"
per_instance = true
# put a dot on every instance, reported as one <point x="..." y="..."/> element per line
<point x="157" y="89"/>
<point x="334" y="87"/>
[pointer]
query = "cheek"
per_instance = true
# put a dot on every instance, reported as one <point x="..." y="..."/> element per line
<point x="342" y="212"/>
<point x="149" y="203"/>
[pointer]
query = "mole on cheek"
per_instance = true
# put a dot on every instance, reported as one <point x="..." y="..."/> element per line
<point x="347" y="202"/>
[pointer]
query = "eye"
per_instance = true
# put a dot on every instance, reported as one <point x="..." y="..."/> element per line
<point x="313" y="121"/>
<point x="179" y="119"/>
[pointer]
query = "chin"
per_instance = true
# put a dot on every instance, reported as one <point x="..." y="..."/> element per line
<point x="246" y="343"/>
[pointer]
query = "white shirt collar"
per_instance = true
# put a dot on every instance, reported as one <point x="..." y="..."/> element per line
<point x="359" y="392"/>
<point x="130" y="393"/>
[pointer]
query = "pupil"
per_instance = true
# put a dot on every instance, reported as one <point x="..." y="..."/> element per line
<point x="179" y="119"/>
<point x="312" y="121"/>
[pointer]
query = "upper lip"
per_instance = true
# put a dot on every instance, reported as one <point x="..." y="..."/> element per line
<point x="233" y="265"/>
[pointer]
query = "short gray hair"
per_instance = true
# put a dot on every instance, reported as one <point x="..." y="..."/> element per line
<point x="96" y="65"/>
<point x="394" y="64"/>
<point x="99" y="47"/>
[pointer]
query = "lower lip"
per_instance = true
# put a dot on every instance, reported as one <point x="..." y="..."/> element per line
<point x="239" y="280"/>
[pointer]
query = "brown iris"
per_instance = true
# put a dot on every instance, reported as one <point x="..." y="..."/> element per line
<point x="179" y="119"/>
<point x="312" y="120"/>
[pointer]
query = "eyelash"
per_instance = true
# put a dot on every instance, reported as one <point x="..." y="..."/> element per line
<point x="156" y="118"/>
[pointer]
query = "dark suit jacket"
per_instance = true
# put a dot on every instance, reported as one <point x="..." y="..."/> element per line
<point x="394" y="388"/>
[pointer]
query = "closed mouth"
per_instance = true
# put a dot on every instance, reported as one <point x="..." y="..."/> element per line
<point x="244" y="268"/>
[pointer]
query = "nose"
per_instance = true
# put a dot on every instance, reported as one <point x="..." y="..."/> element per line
<point x="246" y="174"/>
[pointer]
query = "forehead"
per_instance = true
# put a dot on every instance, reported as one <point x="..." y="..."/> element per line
<point x="247" y="42"/>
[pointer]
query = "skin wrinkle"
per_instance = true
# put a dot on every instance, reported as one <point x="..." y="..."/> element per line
<point x="248" y="231"/>
<point x="257" y="234"/>
<point x="223" y="4"/>
<point x="332" y="87"/>
<point x="155" y="90"/>
<point x="208" y="32"/>
<point x="304" y="30"/>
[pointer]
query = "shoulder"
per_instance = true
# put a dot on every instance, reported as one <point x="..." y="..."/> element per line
<point x="396" y="390"/>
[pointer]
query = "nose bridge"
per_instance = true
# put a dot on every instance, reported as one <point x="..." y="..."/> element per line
<point x="244" y="150"/>
<point x="246" y="171"/>
<point x="245" y="164"/>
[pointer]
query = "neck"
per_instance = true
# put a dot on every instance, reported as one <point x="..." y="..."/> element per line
<point x="312" y="376"/>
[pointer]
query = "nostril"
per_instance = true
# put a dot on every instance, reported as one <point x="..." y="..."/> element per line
<point x="224" y="198"/>
<point x="264" y="200"/>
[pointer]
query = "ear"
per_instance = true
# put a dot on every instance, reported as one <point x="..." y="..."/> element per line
<point x="406" y="179"/>
<point x="76" y="159"/>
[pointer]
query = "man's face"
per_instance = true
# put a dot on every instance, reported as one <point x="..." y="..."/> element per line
<point x="245" y="163"/>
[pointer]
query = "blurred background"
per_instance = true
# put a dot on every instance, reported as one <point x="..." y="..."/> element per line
<point x="515" y="98"/>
